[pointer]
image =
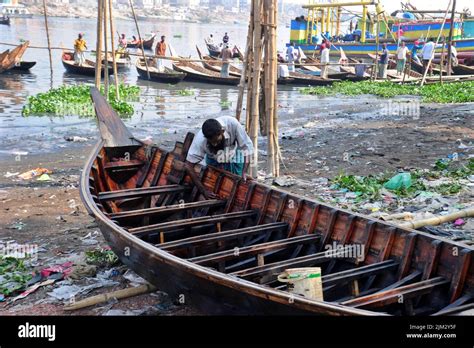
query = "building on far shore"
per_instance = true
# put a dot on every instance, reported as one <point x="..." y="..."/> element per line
<point x="13" y="9"/>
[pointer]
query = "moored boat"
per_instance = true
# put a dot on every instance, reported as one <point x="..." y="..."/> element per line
<point x="24" y="66"/>
<point x="166" y="76"/>
<point x="197" y="73"/>
<point x="225" y="255"/>
<point x="147" y="44"/>
<point x="215" y="64"/>
<point x="8" y="59"/>
<point x="5" y="20"/>
<point x="87" y="69"/>
<point x="462" y="69"/>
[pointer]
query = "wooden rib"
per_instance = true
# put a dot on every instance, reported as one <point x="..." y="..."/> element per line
<point x="275" y="267"/>
<point x="188" y="140"/>
<point x="281" y="207"/>
<point x="248" y="195"/>
<point x="384" y="298"/>
<point x="195" y="192"/>
<point x="159" y="168"/>
<point x="432" y="263"/>
<point x="143" y="177"/>
<point x="296" y="219"/>
<point x="254" y="249"/>
<point x="460" y="274"/>
<point x="169" y="209"/>
<point x="263" y="210"/>
<point x="383" y="255"/>
<point x="347" y="237"/>
<point x="141" y="192"/>
<point x="407" y="255"/>
<point x="222" y="236"/>
<point x="330" y="227"/>
<point x="369" y="233"/>
<point x="233" y="194"/>
<point x="456" y="309"/>
<point x="187" y="223"/>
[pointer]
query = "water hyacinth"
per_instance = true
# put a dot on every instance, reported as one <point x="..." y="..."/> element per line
<point x="76" y="100"/>
<point x="459" y="92"/>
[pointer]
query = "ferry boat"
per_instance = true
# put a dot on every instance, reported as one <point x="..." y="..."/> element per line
<point x="324" y="20"/>
<point x="12" y="9"/>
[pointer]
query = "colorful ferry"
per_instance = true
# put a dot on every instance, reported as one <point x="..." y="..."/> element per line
<point x="325" y="20"/>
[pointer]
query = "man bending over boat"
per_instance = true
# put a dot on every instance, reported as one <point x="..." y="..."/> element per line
<point x="222" y="143"/>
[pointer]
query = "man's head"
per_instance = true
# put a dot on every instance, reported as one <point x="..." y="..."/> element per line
<point x="214" y="134"/>
<point x="384" y="46"/>
<point x="292" y="44"/>
<point x="163" y="38"/>
<point x="402" y="44"/>
<point x="211" y="35"/>
<point x="123" y="36"/>
<point x="79" y="36"/>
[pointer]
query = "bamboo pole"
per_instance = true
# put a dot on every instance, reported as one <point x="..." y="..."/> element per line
<point x="48" y="39"/>
<point x="268" y="86"/>
<point x="450" y="38"/>
<point x="275" y="99"/>
<point x="140" y="38"/>
<point x="118" y="294"/>
<point x="441" y="62"/>
<point x="98" y="50"/>
<point x="112" y="41"/>
<point x="377" y="45"/>
<point x="250" y="72"/>
<point x="438" y="220"/>
<point x="245" y="70"/>
<point x="254" y="116"/>
<point x="106" y="61"/>
<point x="437" y="40"/>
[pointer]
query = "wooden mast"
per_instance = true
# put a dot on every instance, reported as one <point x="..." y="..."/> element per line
<point x="114" y="59"/>
<point x="48" y="39"/>
<point x="450" y="39"/>
<point x="98" y="59"/>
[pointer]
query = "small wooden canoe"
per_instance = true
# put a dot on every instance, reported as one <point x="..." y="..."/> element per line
<point x="8" y="59"/>
<point x="197" y="73"/>
<point x="223" y="256"/>
<point x="215" y="64"/>
<point x="166" y="76"/>
<point x="147" y="44"/>
<point x="215" y="51"/>
<point x="88" y="69"/>
<point x="24" y="66"/>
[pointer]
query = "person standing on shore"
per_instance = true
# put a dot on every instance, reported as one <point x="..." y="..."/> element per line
<point x="414" y="52"/>
<point x="226" y="55"/>
<point x="80" y="47"/>
<point x="383" y="62"/>
<point x="160" y="50"/>
<point x="401" y="57"/>
<point x="325" y="61"/>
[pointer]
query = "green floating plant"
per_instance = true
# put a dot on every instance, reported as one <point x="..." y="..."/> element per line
<point x="76" y="100"/>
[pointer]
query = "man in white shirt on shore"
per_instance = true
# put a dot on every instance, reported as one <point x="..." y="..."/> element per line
<point x="426" y="54"/>
<point x="401" y="57"/>
<point x="325" y="60"/>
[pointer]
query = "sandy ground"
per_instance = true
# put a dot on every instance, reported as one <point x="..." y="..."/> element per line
<point x="51" y="215"/>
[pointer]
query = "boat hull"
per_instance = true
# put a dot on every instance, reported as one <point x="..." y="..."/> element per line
<point x="171" y="77"/>
<point x="206" y="77"/>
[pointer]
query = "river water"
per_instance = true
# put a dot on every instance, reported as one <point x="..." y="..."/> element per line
<point x="161" y="109"/>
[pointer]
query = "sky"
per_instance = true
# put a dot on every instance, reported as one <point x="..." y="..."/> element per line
<point x="391" y="5"/>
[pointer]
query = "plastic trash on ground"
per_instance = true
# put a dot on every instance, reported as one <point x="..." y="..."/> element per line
<point x="399" y="181"/>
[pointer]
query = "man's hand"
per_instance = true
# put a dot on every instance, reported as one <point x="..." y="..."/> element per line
<point x="210" y="195"/>
<point x="246" y="177"/>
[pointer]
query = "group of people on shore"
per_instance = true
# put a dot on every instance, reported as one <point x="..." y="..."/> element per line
<point x="403" y="53"/>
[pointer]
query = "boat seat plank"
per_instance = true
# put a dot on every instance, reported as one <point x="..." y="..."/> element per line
<point x="278" y="267"/>
<point x="222" y="236"/>
<point x="187" y="223"/>
<point x="123" y="165"/>
<point x="168" y="209"/>
<point x="384" y="298"/>
<point x="359" y="272"/>
<point x="255" y="249"/>
<point x="141" y="192"/>
<point x="454" y="306"/>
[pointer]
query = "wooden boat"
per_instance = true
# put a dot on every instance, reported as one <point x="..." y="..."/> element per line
<point x="197" y="73"/>
<point x="88" y="69"/>
<point x="215" y="64"/>
<point x="419" y="68"/>
<point x="306" y="79"/>
<point x="223" y="256"/>
<point x="168" y="76"/>
<point x="8" y="59"/>
<point x="24" y="66"/>
<point x="5" y="20"/>
<point x="341" y="75"/>
<point x="215" y="51"/>
<point x="462" y="69"/>
<point x="147" y="44"/>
